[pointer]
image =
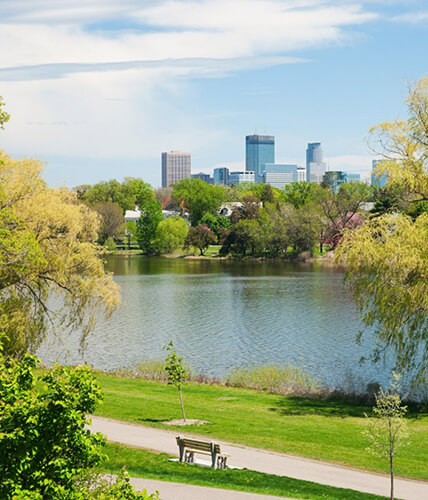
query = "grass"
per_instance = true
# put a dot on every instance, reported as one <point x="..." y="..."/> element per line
<point x="316" y="428"/>
<point x="146" y="464"/>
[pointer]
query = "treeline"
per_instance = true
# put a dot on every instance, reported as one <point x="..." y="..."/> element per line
<point x="261" y="221"/>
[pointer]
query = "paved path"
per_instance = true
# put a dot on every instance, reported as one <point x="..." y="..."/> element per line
<point x="266" y="461"/>
<point x="177" y="491"/>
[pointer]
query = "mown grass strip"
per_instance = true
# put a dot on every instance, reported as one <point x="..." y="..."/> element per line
<point x="316" y="428"/>
<point x="150" y="465"/>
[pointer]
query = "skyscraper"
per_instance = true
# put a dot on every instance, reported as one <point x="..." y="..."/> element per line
<point x="175" y="167"/>
<point x="259" y="149"/>
<point x="315" y="167"/>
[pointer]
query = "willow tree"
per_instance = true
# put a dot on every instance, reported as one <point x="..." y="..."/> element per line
<point x="47" y="249"/>
<point x="387" y="258"/>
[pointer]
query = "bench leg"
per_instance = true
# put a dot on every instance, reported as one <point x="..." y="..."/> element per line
<point x="189" y="457"/>
<point x="221" y="462"/>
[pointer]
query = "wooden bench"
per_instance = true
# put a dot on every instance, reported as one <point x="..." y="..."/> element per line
<point x="188" y="447"/>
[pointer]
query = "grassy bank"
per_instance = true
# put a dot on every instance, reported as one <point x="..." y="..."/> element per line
<point x="317" y="428"/>
<point x="142" y="463"/>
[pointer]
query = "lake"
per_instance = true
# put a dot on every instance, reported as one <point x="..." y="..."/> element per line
<point x="222" y="314"/>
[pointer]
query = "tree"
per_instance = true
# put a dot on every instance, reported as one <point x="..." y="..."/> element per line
<point x="388" y="431"/>
<point x="403" y="145"/>
<point x="200" y="237"/>
<point x="386" y="259"/>
<point x="198" y="197"/>
<point x="45" y="449"/>
<point x="112" y="223"/>
<point x="47" y="248"/>
<point x="298" y="193"/>
<point x="151" y="215"/>
<point x="217" y="223"/>
<point x="386" y="262"/>
<point x="4" y="116"/>
<point x="130" y="231"/>
<point x="177" y="374"/>
<point x="170" y="235"/>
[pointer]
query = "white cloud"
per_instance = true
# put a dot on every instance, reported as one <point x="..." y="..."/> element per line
<point x="411" y="17"/>
<point x="73" y="89"/>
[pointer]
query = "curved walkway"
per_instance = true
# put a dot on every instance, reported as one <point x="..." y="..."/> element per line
<point x="265" y="461"/>
<point x="180" y="491"/>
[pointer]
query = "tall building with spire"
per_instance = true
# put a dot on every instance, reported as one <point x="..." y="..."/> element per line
<point x="259" y="149"/>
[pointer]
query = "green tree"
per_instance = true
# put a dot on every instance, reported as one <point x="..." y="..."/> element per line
<point x="112" y="222"/>
<point x="47" y="248"/>
<point x="45" y="449"/>
<point x="298" y="194"/>
<point x="177" y="374"/>
<point x="4" y="116"/>
<point x="386" y="259"/>
<point x="199" y="198"/>
<point x="217" y="223"/>
<point x="151" y="216"/>
<point x="130" y="231"/>
<point x="170" y="235"/>
<point x="388" y="430"/>
<point x="200" y="237"/>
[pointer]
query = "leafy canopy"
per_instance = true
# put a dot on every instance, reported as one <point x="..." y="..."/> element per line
<point x="199" y="198"/>
<point x="47" y="249"/>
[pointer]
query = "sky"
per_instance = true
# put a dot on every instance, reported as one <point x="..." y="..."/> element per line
<point x="98" y="89"/>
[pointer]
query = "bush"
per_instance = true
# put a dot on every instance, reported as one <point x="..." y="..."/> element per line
<point x="45" y="450"/>
<point x="110" y="245"/>
<point x="275" y="379"/>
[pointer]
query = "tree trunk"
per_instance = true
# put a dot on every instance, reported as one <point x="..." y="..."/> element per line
<point x="321" y="246"/>
<point x="181" y="403"/>
<point x="391" y="470"/>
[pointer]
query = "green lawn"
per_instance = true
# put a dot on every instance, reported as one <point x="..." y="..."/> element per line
<point x="142" y="463"/>
<point x="326" y="430"/>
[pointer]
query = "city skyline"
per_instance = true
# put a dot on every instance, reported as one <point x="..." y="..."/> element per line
<point x="97" y="92"/>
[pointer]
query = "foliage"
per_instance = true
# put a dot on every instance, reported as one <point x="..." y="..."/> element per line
<point x="128" y="194"/>
<point x="4" y="116"/>
<point x="130" y="231"/>
<point x="298" y="194"/>
<point x="386" y="263"/>
<point x="47" y="248"/>
<point x="389" y="430"/>
<point x="112" y="223"/>
<point x="44" y="446"/>
<point x="199" y="198"/>
<point x="176" y="371"/>
<point x="387" y="258"/>
<point x="170" y="235"/>
<point x="200" y="237"/>
<point x="385" y="201"/>
<point x="147" y="224"/>
<point x="120" y="488"/>
<point x="147" y="464"/>
<point x="403" y="145"/>
<point x="110" y="245"/>
<point x="271" y="378"/>
<point x="217" y="223"/>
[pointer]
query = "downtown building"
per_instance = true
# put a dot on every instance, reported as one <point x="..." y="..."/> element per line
<point x="221" y="175"/>
<point x="176" y="166"/>
<point x="335" y="178"/>
<point x="315" y="166"/>
<point x="259" y="150"/>
<point x="279" y="174"/>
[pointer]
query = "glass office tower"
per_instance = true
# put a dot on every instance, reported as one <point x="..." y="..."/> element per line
<point x="315" y="167"/>
<point x="259" y="149"/>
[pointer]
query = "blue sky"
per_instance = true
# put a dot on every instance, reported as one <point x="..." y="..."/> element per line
<point x="98" y="89"/>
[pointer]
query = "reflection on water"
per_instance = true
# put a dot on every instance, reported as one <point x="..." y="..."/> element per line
<point x="223" y="314"/>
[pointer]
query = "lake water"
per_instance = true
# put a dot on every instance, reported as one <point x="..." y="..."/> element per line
<point x="225" y="314"/>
